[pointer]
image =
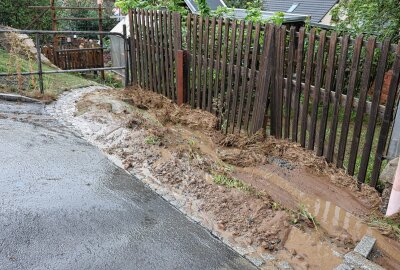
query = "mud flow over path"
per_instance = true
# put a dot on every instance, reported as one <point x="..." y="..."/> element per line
<point x="270" y="200"/>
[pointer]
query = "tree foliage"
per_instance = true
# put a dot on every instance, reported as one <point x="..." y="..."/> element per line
<point x="17" y="14"/>
<point x="380" y="18"/>
<point x="171" y="5"/>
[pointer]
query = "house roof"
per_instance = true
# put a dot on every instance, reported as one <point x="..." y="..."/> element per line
<point x="316" y="9"/>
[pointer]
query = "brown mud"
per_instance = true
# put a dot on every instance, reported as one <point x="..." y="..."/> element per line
<point x="288" y="205"/>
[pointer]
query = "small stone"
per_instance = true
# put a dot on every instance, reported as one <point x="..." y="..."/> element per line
<point x="365" y="246"/>
<point x="344" y="267"/>
<point x="293" y="252"/>
<point x="357" y="260"/>
<point x="284" y="265"/>
<point x="268" y="257"/>
<point x="221" y="226"/>
<point x="264" y="244"/>
<point x="255" y="260"/>
<point x="299" y="257"/>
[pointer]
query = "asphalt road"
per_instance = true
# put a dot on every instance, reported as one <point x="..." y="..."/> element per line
<point x="64" y="205"/>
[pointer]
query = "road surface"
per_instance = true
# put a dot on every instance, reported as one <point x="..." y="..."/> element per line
<point x="64" y="205"/>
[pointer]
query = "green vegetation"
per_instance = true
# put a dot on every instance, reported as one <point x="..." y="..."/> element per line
<point x="54" y="84"/>
<point x="224" y="180"/>
<point x="152" y="140"/>
<point x="388" y="225"/>
<point x="171" y="5"/>
<point x="380" y="18"/>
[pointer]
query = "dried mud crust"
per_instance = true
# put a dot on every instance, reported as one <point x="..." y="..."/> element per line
<point x="180" y="148"/>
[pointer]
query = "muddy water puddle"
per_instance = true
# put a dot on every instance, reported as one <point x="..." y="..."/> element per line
<point x="335" y="220"/>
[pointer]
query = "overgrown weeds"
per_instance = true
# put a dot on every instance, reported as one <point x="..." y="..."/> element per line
<point x="389" y="226"/>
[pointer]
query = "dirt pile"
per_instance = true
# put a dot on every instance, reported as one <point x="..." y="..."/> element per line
<point x="168" y="112"/>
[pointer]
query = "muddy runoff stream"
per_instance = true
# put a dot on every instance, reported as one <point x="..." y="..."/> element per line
<point x="272" y="201"/>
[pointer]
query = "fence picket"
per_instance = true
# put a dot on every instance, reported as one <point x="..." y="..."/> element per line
<point x="361" y="105"/>
<point x="329" y="75"/>
<point x="193" y="62"/>
<point x="230" y="73"/>
<point x="289" y="75"/>
<point x="171" y="58"/>
<point x="276" y="120"/>
<point x="218" y="65"/>
<point x="263" y="86"/>
<point x="237" y="74"/>
<point x="349" y="100"/>
<point x="299" y="72"/>
<point x="374" y="110"/>
<point x="310" y="62"/>
<point x="223" y="72"/>
<point x="211" y="66"/>
<point x="252" y="79"/>
<point x="338" y="94"/>
<point x="317" y="88"/>
<point x="205" y="63"/>
<point x="244" y="73"/>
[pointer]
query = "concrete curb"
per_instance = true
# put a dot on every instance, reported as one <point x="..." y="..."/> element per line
<point x="18" y="98"/>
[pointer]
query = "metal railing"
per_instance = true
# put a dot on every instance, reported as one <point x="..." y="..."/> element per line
<point x="40" y="72"/>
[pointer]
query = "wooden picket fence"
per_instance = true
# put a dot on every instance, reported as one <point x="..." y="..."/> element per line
<point x="323" y="92"/>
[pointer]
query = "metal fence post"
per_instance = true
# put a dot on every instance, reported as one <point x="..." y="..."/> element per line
<point x="39" y="60"/>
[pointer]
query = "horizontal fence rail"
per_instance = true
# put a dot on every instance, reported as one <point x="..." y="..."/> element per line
<point x="333" y="95"/>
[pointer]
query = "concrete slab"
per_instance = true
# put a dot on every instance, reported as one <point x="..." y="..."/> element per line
<point x="365" y="246"/>
<point x="357" y="260"/>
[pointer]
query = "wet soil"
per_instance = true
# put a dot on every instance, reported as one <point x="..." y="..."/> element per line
<point x="271" y="217"/>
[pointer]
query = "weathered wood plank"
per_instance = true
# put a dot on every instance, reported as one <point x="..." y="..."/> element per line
<point x="244" y="84"/>
<point x="263" y="86"/>
<point x="329" y="80"/>
<point x="309" y="69"/>
<point x="189" y="56"/>
<point x="218" y="66"/>
<point x="276" y="120"/>
<point x="149" y="59"/>
<point x="193" y="62"/>
<point x="171" y="57"/>
<point x="289" y="74"/>
<point x="223" y="71"/>
<point x="380" y="75"/>
<point x="338" y="93"/>
<point x="252" y="80"/>
<point x="299" y="68"/>
<point x="199" y="62"/>
<point x="230" y="74"/>
<point x="237" y="75"/>
<point x="211" y="66"/>
<point x="316" y="93"/>
<point x="350" y="95"/>
<point x="206" y="40"/>
<point x="365" y="80"/>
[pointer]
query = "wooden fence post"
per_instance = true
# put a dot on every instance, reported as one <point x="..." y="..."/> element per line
<point x="182" y="74"/>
